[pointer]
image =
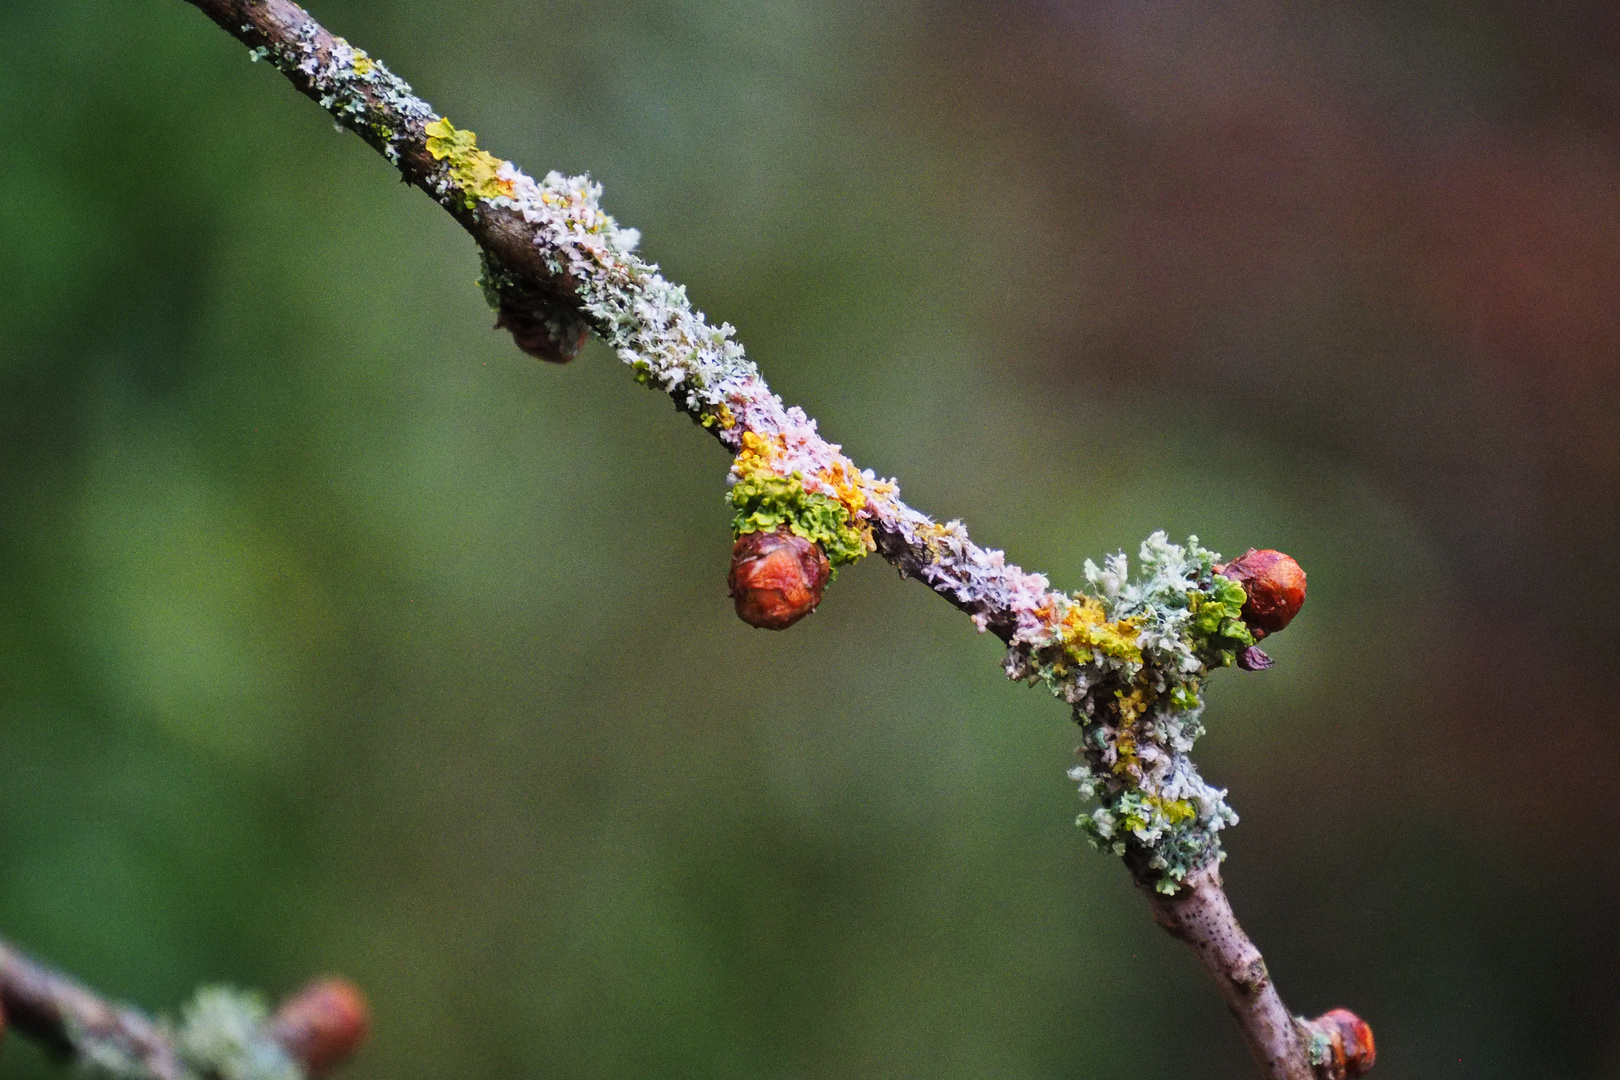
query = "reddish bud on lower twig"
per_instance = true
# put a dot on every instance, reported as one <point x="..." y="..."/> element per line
<point x="1275" y="585"/>
<point x="322" y="1024"/>
<point x="776" y="578"/>
<point x="1351" y="1051"/>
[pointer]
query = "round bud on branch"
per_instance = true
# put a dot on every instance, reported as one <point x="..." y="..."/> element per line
<point x="1350" y="1048"/>
<point x="1274" y="584"/>
<point x="776" y="578"/>
<point x="539" y="338"/>
<point x="322" y="1024"/>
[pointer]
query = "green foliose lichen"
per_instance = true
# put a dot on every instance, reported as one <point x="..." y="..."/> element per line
<point x="1321" y="1048"/>
<point x="765" y="502"/>
<point x="1216" y="628"/>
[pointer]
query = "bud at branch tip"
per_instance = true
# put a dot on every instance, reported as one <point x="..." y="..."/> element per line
<point x="322" y="1025"/>
<point x="1342" y="1045"/>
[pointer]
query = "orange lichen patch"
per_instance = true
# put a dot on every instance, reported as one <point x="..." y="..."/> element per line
<point x="846" y="483"/>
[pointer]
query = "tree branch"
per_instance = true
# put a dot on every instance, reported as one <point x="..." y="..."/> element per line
<point x="1130" y="656"/>
<point x="222" y="1033"/>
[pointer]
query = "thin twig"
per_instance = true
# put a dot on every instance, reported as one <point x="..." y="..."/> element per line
<point x="556" y="265"/>
<point x="59" y="1013"/>
<point x="1201" y="916"/>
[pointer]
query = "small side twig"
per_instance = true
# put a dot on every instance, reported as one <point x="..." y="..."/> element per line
<point x="223" y="1033"/>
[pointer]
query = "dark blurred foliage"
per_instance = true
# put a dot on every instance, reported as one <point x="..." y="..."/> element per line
<point x="338" y="635"/>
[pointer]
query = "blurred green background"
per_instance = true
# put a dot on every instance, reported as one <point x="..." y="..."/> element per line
<point x="337" y="635"/>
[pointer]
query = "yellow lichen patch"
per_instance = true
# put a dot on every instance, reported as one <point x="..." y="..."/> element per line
<point x="576" y="201"/>
<point x="759" y="454"/>
<point x="475" y="171"/>
<point x="1174" y="810"/>
<point x="881" y="489"/>
<point x="931" y="534"/>
<point x="846" y="483"/>
<point x="1085" y="627"/>
<point x="720" y="415"/>
<point x="363" y="64"/>
<point x="1125" y="747"/>
<point x="1131" y="707"/>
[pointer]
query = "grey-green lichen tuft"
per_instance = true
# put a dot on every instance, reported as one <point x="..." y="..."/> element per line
<point x="357" y="89"/>
<point x="222" y="1035"/>
<point x="1131" y="655"/>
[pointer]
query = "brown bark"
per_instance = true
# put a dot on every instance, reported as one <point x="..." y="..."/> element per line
<point x="1200" y="915"/>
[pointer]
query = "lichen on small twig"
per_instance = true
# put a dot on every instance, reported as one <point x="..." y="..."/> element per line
<point x="221" y="1034"/>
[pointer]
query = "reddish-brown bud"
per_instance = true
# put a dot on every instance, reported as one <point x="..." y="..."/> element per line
<point x="776" y="578"/>
<point x="533" y="334"/>
<point x="1351" y="1051"/>
<point x="322" y="1024"/>
<point x="1275" y="585"/>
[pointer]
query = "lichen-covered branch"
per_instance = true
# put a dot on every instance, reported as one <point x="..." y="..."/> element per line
<point x="222" y="1033"/>
<point x="1130" y="655"/>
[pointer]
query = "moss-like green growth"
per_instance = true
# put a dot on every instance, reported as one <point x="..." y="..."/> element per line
<point x="474" y="171"/>
<point x="765" y="502"/>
